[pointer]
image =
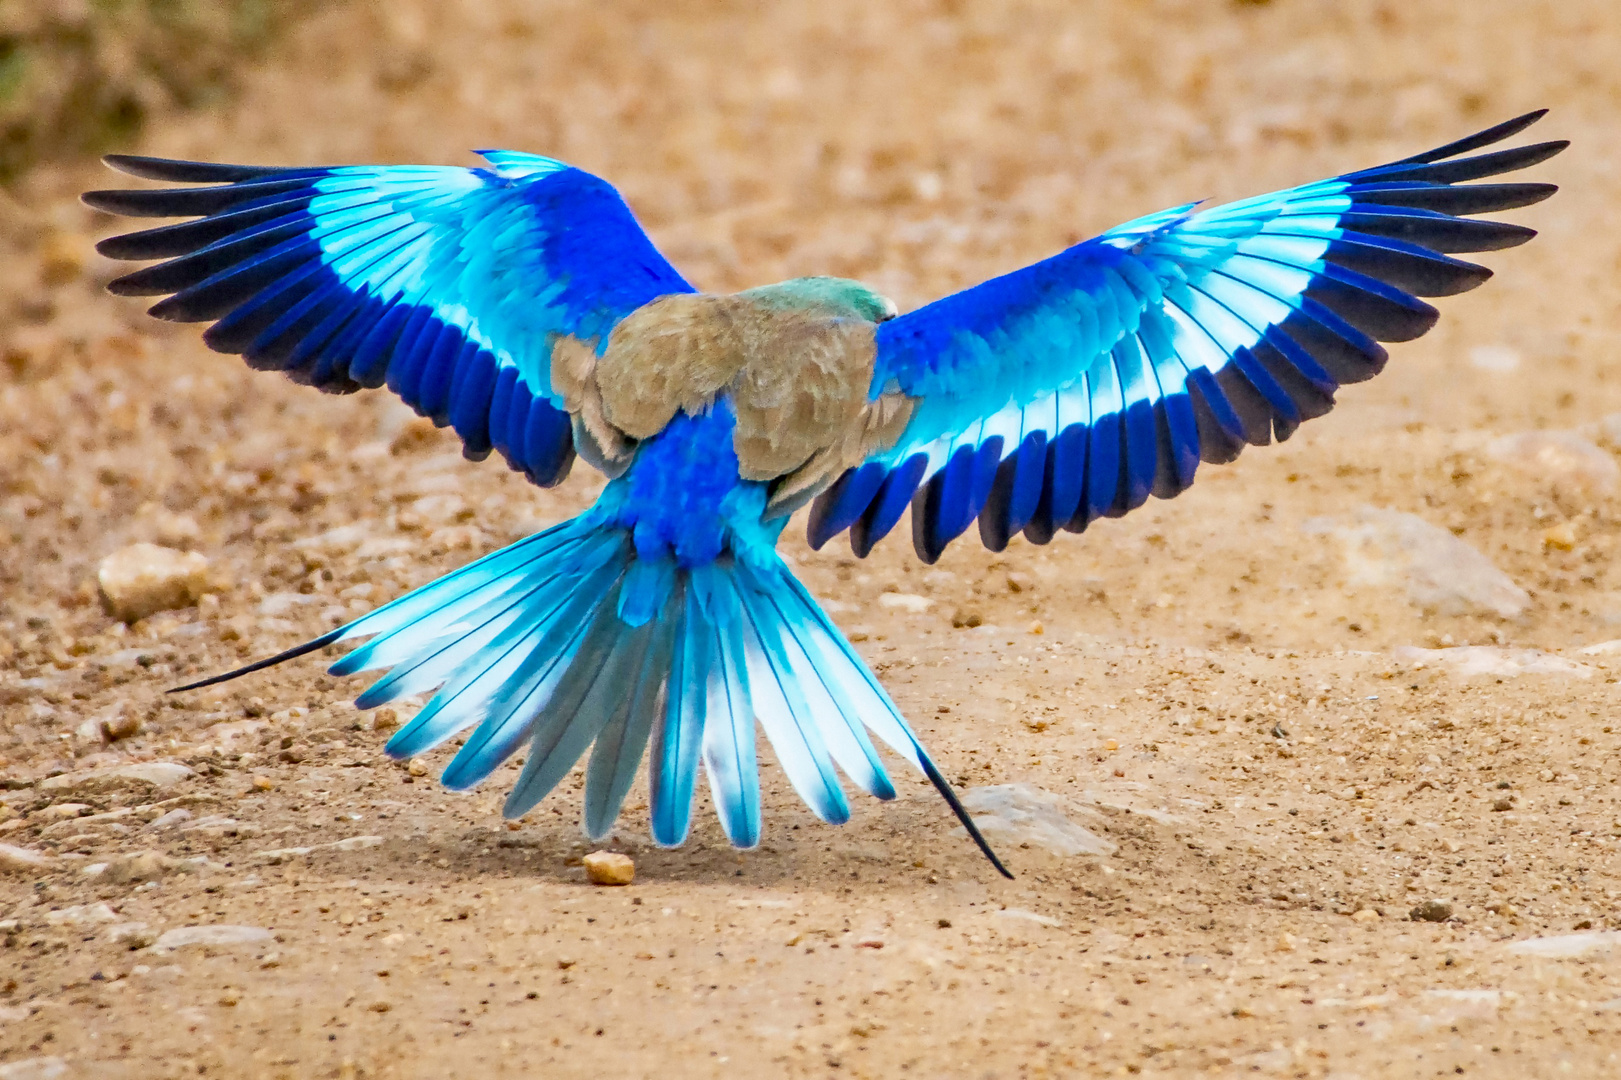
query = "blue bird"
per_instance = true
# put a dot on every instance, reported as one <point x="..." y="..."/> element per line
<point x="522" y="305"/>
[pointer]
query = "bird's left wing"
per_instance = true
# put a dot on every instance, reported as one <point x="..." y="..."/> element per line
<point x="449" y="285"/>
<point x="1075" y="388"/>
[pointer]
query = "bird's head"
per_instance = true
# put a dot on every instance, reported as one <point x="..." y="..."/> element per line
<point x="837" y="296"/>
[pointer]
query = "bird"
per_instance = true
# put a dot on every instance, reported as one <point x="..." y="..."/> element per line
<point x="520" y="304"/>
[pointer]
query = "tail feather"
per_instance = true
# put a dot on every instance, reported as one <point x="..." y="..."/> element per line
<point x="618" y="750"/>
<point x="672" y="766"/>
<point x="473" y="688"/>
<point x="567" y="642"/>
<point x="519" y="708"/>
<point x="833" y="723"/>
<point x="786" y="715"/>
<point x="445" y="599"/>
<point x="580" y="707"/>
<point x="728" y="750"/>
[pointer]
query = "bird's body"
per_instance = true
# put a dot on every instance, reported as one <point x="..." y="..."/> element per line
<point x="521" y="305"/>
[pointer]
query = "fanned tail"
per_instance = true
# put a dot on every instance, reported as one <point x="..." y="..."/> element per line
<point x="567" y="641"/>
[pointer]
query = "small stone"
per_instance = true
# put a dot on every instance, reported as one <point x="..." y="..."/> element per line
<point x="1495" y="358"/>
<point x="609" y="868"/>
<point x="566" y="962"/>
<point x="1438" y="571"/>
<point x="1500" y="805"/>
<point x="1286" y="943"/>
<point x="219" y="935"/>
<point x="1431" y="911"/>
<point x="263" y="783"/>
<point x="81" y="914"/>
<point x="966" y="619"/>
<point x="385" y="720"/>
<point x="229" y="999"/>
<point x="176" y="817"/>
<point x="417" y="767"/>
<point x="142" y="579"/>
<point x="1037" y="628"/>
<point x="1562" y="458"/>
<point x="122" y="726"/>
<point x="1566" y="946"/>
<point x="63" y="811"/>
<point x="1368" y="915"/>
<point x="1026" y="814"/>
<point x="1560" y="537"/>
<point x="141" y="866"/>
<point x="379" y="1006"/>
<point x="1020" y="582"/>
<point x="908" y="602"/>
<point x="39" y="1068"/>
<point x="131" y="935"/>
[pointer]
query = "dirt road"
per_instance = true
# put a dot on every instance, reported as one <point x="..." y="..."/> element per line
<point x="1226" y="689"/>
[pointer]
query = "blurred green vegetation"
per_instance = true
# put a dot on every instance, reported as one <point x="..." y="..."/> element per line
<point x="79" y="75"/>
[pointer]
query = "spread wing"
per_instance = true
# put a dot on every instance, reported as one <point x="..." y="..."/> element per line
<point x="449" y="285"/>
<point x="1075" y="388"/>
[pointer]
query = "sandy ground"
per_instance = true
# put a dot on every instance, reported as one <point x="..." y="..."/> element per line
<point x="1221" y="689"/>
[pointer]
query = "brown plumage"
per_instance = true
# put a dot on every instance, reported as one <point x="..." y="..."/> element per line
<point x="798" y="378"/>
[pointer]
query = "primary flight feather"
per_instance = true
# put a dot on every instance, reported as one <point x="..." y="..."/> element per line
<point x="523" y="306"/>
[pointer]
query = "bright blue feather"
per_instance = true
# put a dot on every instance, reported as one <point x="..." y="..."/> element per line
<point x="1188" y="333"/>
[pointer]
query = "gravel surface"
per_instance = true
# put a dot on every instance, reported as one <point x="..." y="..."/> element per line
<point x="1283" y="776"/>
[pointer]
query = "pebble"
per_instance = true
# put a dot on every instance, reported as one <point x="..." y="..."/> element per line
<point x="1564" y="946"/>
<point x="1431" y="911"/>
<point x="609" y="868"/>
<point x="62" y="811"/>
<point x="178" y="816"/>
<point x="1562" y="457"/>
<point x="142" y="579"/>
<point x="219" y="935"/>
<point x="908" y="602"/>
<point x="1467" y="660"/>
<point x="1025" y="814"/>
<point x="131" y="935"/>
<point x="1438" y="571"/>
<point x="154" y="774"/>
<point x="81" y="914"/>
<point x="1368" y="915"/>
<point x="142" y="866"/>
<point x="1496" y="358"/>
<point x="39" y="1068"/>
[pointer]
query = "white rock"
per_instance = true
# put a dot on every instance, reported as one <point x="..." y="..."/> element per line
<point x="1562" y="457"/>
<point x="908" y="602"/>
<point x="216" y="936"/>
<point x="40" y="1068"/>
<point x="133" y="935"/>
<point x="145" y="578"/>
<point x="80" y="915"/>
<point x="1501" y="359"/>
<point x="158" y="774"/>
<point x="1025" y="814"/>
<point x="1438" y="571"/>
<point x="352" y="843"/>
<point x="22" y="860"/>
<point x="1566" y="946"/>
<point x="1489" y="660"/>
<point x="1027" y="916"/>
<point x="179" y="815"/>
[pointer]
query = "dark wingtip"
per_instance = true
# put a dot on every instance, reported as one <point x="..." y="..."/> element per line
<point x="950" y="796"/>
<point x="270" y="661"/>
<point x="1494" y="134"/>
